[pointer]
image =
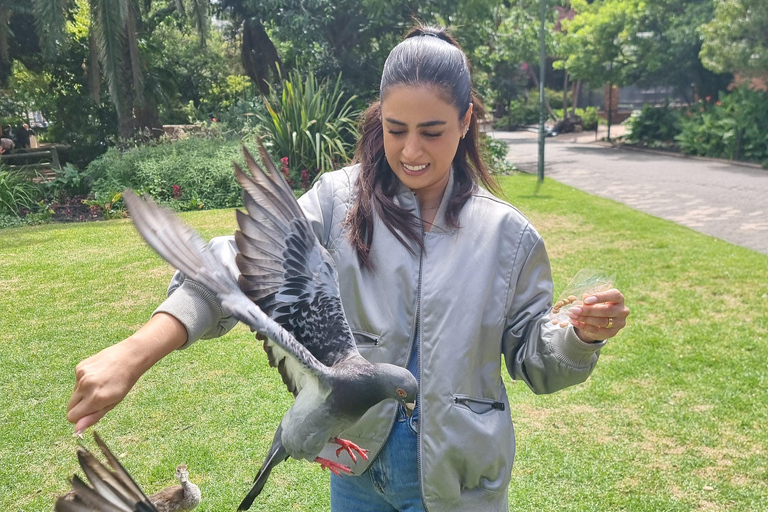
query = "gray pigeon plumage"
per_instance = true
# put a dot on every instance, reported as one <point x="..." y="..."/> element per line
<point x="287" y="292"/>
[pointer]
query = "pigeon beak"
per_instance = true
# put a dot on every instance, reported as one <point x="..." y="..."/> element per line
<point x="409" y="407"/>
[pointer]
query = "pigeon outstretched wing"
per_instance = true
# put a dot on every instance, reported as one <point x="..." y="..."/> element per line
<point x="183" y="248"/>
<point x="284" y="269"/>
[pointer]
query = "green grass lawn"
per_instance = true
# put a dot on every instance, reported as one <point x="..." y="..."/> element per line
<point x="673" y="419"/>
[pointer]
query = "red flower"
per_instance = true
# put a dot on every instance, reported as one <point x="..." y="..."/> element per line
<point x="176" y="191"/>
<point x="284" y="160"/>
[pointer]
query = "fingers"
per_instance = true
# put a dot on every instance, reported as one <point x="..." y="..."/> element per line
<point x="101" y="382"/>
<point x="90" y="420"/>
<point x="612" y="295"/>
<point x="86" y="408"/>
<point x="601" y="316"/>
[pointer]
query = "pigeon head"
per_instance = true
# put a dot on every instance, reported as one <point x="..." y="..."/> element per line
<point x="399" y="384"/>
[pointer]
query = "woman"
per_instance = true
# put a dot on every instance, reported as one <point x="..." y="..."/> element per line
<point x="436" y="274"/>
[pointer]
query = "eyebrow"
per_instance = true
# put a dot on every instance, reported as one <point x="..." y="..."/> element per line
<point x="420" y="125"/>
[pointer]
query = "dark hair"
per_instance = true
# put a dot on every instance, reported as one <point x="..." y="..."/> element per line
<point x="427" y="56"/>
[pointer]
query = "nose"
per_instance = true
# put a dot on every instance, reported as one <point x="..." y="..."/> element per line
<point x="412" y="149"/>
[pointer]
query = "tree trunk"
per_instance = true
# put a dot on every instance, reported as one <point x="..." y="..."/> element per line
<point x="575" y="96"/>
<point x="5" y="59"/>
<point x="260" y="55"/>
<point x="546" y="103"/>
<point x="124" y="105"/>
<point x="94" y="75"/>
<point x="565" y="94"/>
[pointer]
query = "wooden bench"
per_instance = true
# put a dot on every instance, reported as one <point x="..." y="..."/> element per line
<point x="42" y="161"/>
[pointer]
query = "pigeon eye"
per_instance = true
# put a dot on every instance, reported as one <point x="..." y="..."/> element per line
<point x="401" y="392"/>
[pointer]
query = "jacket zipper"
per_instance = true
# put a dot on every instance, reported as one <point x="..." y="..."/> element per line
<point x="468" y="402"/>
<point x="418" y="361"/>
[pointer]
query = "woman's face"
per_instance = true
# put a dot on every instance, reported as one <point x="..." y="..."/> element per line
<point x="421" y="134"/>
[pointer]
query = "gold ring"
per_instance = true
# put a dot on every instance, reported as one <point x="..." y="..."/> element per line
<point x="610" y="324"/>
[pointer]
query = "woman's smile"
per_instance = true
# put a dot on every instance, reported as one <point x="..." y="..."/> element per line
<point x="415" y="170"/>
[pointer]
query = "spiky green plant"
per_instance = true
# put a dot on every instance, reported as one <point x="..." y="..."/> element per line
<point x="16" y="192"/>
<point x="311" y="125"/>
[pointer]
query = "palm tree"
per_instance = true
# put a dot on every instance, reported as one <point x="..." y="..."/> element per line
<point x="7" y="8"/>
<point x="115" y="30"/>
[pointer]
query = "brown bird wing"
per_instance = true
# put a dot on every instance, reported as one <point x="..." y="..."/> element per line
<point x="110" y="490"/>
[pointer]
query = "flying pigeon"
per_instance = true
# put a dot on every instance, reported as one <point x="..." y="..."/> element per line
<point x="288" y="293"/>
<point x="115" y="491"/>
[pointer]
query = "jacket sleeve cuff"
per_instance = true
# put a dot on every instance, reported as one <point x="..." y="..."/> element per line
<point x="197" y="309"/>
<point x="568" y="348"/>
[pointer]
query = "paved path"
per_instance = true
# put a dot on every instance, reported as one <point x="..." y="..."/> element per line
<point x="724" y="200"/>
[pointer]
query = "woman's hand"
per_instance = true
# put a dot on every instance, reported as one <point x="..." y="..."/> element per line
<point x="104" y="379"/>
<point x="101" y="382"/>
<point x="602" y="316"/>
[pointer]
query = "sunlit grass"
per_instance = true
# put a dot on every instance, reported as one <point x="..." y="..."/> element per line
<point x="672" y="419"/>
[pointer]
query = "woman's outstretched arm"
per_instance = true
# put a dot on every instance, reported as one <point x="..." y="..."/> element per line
<point x="105" y="378"/>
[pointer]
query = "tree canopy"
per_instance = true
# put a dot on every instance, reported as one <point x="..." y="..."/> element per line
<point x="149" y="62"/>
<point x="626" y="42"/>
<point x="736" y="40"/>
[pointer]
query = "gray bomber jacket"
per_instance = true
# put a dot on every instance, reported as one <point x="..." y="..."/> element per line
<point x="475" y="294"/>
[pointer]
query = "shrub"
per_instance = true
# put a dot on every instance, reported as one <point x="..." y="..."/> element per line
<point x="654" y="126"/>
<point x="554" y="98"/>
<point x="589" y="116"/>
<point x="69" y="182"/>
<point x="310" y="127"/>
<point x="734" y="127"/>
<point x="494" y="153"/>
<point x="194" y="169"/>
<point x="521" y="113"/>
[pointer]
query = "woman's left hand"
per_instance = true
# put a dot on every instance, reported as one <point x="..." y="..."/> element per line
<point x="602" y="316"/>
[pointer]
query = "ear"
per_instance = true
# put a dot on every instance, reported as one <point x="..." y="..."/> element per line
<point x="465" y="122"/>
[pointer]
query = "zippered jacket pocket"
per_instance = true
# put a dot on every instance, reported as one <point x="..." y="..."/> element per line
<point x="366" y="339"/>
<point x="478" y="405"/>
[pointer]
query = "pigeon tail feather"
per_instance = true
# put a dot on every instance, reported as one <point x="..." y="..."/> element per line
<point x="276" y="455"/>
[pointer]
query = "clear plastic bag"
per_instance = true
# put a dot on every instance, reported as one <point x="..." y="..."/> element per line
<point x="586" y="282"/>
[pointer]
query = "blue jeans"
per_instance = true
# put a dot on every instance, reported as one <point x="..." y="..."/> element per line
<point x="391" y="483"/>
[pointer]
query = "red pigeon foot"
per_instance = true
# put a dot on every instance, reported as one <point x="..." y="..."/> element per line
<point x="335" y="468"/>
<point x="349" y="446"/>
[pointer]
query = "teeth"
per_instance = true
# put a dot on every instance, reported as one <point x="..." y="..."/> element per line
<point x="414" y="168"/>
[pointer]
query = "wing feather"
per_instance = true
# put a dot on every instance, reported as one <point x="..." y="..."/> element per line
<point x="110" y="490"/>
<point x="308" y="302"/>
<point x="169" y="236"/>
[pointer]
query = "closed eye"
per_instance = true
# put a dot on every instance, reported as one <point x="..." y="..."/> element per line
<point x="428" y="135"/>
